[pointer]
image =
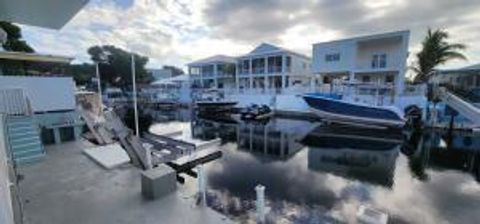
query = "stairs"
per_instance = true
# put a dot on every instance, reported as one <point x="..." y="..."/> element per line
<point x="24" y="139"/>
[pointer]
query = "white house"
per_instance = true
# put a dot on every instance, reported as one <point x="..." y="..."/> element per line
<point x="269" y="68"/>
<point x="466" y="78"/>
<point x="213" y="72"/>
<point x="374" y="61"/>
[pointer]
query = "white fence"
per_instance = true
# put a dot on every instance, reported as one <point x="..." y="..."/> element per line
<point x="13" y="102"/>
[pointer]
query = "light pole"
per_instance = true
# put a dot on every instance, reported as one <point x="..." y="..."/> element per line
<point x="99" y="86"/>
<point x="103" y="58"/>
<point x="135" y="96"/>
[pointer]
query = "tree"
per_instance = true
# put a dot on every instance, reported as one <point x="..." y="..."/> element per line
<point x="115" y="66"/>
<point x="14" y="38"/>
<point x="436" y="50"/>
<point x="82" y="73"/>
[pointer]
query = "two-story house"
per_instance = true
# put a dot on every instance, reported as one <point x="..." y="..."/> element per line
<point x="269" y="68"/>
<point x="216" y="72"/>
<point x="370" y="62"/>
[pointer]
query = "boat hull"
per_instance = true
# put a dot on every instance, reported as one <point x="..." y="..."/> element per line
<point x="344" y="112"/>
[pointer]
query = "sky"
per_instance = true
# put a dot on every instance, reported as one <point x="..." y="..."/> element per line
<point x="175" y="32"/>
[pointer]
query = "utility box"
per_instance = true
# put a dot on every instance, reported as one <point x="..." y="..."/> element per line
<point x="158" y="182"/>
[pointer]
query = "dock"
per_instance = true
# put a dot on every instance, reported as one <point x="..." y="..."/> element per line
<point x="68" y="187"/>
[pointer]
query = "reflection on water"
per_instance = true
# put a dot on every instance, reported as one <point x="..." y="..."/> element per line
<point x="317" y="174"/>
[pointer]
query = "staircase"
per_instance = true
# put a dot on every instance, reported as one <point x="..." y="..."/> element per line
<point x="24" y="139"/>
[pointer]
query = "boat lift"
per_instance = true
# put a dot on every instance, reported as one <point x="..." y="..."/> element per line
<point x="468" y="110"/>
<point x="151" y="150"/>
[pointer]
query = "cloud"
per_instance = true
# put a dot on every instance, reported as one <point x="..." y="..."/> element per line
<point x="281" y="21"/>
<point x="178" y="31"/>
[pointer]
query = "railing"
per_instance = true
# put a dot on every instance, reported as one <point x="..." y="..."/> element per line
<point x="14" y="102"/>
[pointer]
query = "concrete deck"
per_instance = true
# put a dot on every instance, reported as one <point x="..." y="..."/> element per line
<point x="68" y="187"/>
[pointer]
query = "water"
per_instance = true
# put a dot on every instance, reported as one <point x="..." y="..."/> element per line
<point x="323" y="174"/>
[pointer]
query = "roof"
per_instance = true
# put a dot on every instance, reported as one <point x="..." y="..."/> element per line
<point x="45" y="13"/>
<point x="22" y="56"/>
<point x="467" y="69"/>
<point x="172" y="80"/>
<point x="266" y="48"/>
<point x="370" y="37"/>
<point x="213" y="59"/>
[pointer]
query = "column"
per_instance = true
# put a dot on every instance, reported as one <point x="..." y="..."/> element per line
<point x="250" y="74"/>
<point x="284" y="70"/>
<point x="56" y="135"/>
<point x="237" y="80"/>
<point x="202" y="85"/>
<point x="265" y="81"/>
<point x="215" y="75"/>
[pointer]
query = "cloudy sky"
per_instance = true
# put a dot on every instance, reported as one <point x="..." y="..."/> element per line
<point x="178" y="31"/>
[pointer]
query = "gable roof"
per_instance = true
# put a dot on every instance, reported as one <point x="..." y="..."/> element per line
<point x="213" y="59"/>
<point x="266" y="48"/>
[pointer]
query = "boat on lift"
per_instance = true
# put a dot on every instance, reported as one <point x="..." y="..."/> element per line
<point x="213" y="101"/>
<point x="343" y="108"/>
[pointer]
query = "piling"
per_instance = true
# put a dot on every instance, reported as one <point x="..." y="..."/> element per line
<point x="260" y="203"/>
<point x="202" y="185"/>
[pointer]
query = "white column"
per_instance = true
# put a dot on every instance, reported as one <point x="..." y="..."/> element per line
<point x="284" y="70"/>
<point x="237" y="79"/>
<point x="250" y="73"/>
<point x="265" y="81"/>
<point x="202" y="85"/>
<point x="215" y="76"/>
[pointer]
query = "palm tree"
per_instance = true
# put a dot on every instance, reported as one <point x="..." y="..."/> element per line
<point x="435" y="51"/>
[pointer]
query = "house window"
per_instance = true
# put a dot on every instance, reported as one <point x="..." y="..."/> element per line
<point x="332" y="57"/>
<point x="244" y="69"/>
<point x="275" y="64"/>
<point x="389" y="79"/>
<point x="383" y="60"/>
<point x="379" y="61"/>
<point x="365" y="78"/>
<point x="258" y="65"/>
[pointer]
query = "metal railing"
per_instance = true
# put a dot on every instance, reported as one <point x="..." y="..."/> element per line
<point x="14" y="102"/>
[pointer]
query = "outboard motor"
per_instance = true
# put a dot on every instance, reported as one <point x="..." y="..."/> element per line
<point x="414" y="117"/>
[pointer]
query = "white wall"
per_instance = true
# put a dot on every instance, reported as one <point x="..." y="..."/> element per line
<point x="346" y="49"/>
<point x="6" y="211"/>
<point x="393" y="49"/>
<point x="45" y="93"/>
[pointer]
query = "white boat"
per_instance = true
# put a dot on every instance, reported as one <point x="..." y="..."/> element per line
<point x="213" y="101"/>
<point x="332" y="107"/>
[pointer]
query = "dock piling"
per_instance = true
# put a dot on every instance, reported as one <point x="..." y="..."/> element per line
<point x="260" y="203"/>
<point x="202" y="185"/>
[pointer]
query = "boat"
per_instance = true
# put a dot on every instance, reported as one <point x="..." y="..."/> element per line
<point x="332" y="107"/>
<point x="213" y="101"/>
<point x="256" y="112"/>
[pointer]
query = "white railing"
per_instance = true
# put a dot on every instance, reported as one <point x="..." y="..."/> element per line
<point x="14" y="102"/>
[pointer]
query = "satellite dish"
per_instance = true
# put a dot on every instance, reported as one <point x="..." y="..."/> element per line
<point x="3" y="36"/>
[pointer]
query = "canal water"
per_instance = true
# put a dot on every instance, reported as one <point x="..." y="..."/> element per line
<point x="316" y="173"/>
